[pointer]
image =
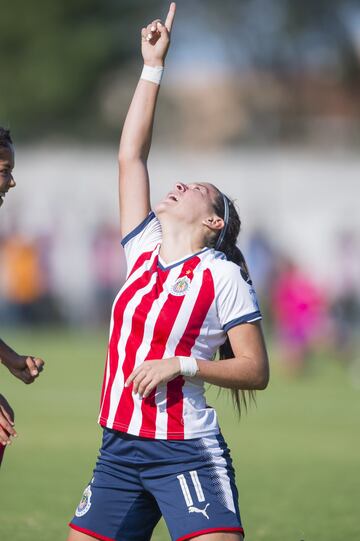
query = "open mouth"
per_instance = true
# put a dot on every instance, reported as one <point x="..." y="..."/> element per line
<point x="173" y="197"/>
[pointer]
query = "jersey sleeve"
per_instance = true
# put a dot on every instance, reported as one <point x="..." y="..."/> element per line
<point x="236" y="298"/>
<point x="143" y="238"/>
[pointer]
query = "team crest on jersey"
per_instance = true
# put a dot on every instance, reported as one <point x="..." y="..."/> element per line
<point x="85" y="502"/>
<point x="181" y="286"/>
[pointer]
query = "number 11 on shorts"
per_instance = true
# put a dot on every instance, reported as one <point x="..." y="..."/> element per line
<point x="186" y="491"/>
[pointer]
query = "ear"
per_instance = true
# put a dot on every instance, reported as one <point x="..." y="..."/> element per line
<point x="214" y="223"/>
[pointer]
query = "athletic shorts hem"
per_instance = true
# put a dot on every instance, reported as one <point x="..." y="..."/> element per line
<point x="210" y="530"/>
<point x="166" y="436"/>
<point x="89" y="532"/>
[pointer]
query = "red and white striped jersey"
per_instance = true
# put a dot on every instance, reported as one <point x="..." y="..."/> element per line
<point x="183" y="308"/>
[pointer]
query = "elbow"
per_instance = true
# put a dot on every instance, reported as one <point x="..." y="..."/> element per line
<point x="262" y="377"/>
<point x="259" y="375"/>
<point x="256" y="381"/>
<point x="126" y="157"/>
<point x="262" y="383"/>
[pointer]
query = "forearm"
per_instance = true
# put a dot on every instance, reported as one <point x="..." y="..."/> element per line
<point x="137" y="132"/>
<point x="7" y="355"/>
<point x="134" y="190"/>
<point x="237" y="373"/>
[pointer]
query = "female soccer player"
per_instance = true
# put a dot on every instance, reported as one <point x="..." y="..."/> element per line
<point x="24" y="367"/>
<point x="162" y="452"/>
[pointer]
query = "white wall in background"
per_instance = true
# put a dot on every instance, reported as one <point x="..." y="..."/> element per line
<point x="302" y="198"/>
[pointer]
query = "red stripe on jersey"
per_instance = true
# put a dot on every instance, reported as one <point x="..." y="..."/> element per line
<point x="140" y="261"/>
<point x="174" y="388"/>
<point x="162" y="330"/>
<point x="125" y="407"/>
<point x="118" y="313"/>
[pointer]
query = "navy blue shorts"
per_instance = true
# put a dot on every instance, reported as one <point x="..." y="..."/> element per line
<point x="191" y="483"/>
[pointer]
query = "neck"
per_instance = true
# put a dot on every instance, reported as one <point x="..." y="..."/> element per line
<point x="177" y="244"/>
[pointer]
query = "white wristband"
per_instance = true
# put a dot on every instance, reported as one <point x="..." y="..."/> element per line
<point x="188" y="366"/>
<point x="152" y="74"/>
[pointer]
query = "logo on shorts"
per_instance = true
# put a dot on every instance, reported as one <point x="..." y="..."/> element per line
<point x="181" y="286"/>
<point x="85" y="503"/>
<point x="194" y="509"/>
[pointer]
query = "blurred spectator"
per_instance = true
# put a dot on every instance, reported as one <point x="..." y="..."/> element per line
<point x="300" y="315"/>
<point x="25" y="279"/>
<point x="345" y="306"/>
<point x="261" y="259"/>
<point x="108" y="266"/>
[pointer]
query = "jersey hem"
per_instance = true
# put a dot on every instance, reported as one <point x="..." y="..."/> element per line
<point x="138" y="228"/>
<point x="89" y="532"/>
<point x="210" y="530"/>
<point x="168" y="436"/>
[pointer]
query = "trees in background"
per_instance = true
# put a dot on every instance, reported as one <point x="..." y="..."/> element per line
<point x="54" y="55"/>
<point x="57" y="56"/>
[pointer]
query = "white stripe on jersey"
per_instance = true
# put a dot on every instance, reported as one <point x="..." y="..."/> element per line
<point x="177" y="331"/>
<point x="143" y="351"/>
<point x="117" y="389"/>
<point x="107" y="365"/>
<point x="139" y="272"/>
<point x="183" y="316"/>
<point x="162" y="415"/>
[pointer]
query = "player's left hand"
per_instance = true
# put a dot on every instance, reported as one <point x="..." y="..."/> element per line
<point x="26" y="368"/>
<point x="151" y="373"/>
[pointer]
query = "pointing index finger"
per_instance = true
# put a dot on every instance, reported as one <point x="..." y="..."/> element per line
<point x="170" y="16"/>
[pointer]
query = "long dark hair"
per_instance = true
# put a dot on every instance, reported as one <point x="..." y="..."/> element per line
<point x="233" y="253"/>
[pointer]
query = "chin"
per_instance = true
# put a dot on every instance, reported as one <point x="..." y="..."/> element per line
<point x="161" y="207"/>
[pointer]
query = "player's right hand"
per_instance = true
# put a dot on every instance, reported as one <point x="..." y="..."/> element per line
<point x="155" y="39"/>
<point x="6" y="421"/>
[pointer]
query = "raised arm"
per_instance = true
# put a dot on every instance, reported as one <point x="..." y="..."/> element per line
<point x="135" y="142"/>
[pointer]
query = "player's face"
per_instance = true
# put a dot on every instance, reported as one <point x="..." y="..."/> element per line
<point x="7" y="162"/>
<point x="189" y="203"/>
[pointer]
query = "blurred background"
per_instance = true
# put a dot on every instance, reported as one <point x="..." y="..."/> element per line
<point x="260" y="97"/>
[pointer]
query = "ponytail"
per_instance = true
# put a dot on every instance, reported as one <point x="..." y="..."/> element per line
<point x="229" y="247"/>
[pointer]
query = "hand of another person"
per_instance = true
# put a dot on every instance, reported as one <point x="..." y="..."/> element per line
<point x="26" y="368"/>
<point x="6" y="421"/>
<point x="155" y="39"/>
<point x="151" y="373"/>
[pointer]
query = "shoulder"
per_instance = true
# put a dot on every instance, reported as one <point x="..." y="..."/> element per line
<point x="149" y="221"/>
<point x="221" y="268"/>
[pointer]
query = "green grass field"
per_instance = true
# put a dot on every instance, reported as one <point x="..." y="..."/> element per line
<point x="296" y="455"/>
